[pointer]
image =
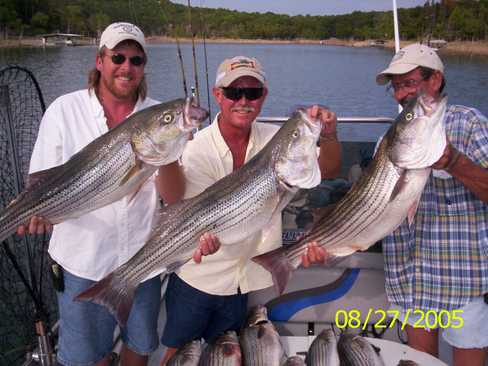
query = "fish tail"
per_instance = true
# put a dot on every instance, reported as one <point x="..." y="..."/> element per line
<point x="115" y="293"/>
<point x="279" y="265"/>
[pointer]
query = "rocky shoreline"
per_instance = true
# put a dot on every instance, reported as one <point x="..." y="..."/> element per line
<point x="468" y="48"/>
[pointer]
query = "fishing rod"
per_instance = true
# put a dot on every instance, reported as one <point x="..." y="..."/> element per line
<point x="397" y="36"/>
<point x="203" y="25"/>
<point x="182" y="67"/>
<point x="195" y="70"/>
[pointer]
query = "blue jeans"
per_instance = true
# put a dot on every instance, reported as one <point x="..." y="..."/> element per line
<point x="194" y="314"/>
<point x="86" y="329"/>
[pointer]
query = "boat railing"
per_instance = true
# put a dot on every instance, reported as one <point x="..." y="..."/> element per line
<point x="340" y="120"/>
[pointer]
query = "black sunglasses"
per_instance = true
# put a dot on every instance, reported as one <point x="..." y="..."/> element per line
<point x="119" y="59"/>
<point x="237" y="93"/>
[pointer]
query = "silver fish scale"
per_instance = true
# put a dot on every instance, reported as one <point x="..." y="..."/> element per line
<point x="213" y="212"/>
<point x="189" y="355"/>
<point x="265" y="350"/>
<point x="83" y="185"/>
<point x="356" y="351"/>
<point x="323" y="350"/>
<point x="94" y="184"/>
<point x="363" y="205"/>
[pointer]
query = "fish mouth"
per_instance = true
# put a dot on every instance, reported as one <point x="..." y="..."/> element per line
<point x="314" y="125"/>
<point x="193" y="114"/>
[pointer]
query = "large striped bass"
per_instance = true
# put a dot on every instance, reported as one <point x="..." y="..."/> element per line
<point x="386" y="194"/>
<point x="110" y="167"/>
<point x="233" y="208"/>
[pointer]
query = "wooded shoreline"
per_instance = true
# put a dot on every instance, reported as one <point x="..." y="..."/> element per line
<point x="475" y="48"/>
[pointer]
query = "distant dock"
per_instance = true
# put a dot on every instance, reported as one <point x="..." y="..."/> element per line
<point x="65" y="39"/>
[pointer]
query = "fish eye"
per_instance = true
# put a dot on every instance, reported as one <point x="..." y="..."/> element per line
<point x="409" y="116"/>
<point x="167" y="118"/>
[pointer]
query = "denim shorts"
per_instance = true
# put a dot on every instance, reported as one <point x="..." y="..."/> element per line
<point x="193" y="314"/>
<point x="472" y="334"/>
<point x="86" y="330"/>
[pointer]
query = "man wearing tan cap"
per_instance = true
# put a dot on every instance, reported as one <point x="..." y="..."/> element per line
<point x="440" y="264"/>
<point x="205" y="300"/>
<point x="91" y="246"/>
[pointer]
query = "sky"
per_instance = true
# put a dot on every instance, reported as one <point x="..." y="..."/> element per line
<point x="304" y="7"/>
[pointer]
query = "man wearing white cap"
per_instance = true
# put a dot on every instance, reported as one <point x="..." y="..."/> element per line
<point x="92" y="246"/>
<point x="440" y="264"/>
<point x="204" y="301"/>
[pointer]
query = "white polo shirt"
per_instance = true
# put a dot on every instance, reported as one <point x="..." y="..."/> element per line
<point x="96" y="243"/>
<point x="206" y="159"/>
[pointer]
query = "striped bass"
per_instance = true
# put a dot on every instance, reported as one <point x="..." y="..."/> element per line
<point x="260" y="341"/>
<point x="386" y="193"/>
<point x="355" y="350"/>
<point x="323" y="350"/>
<point x="110" y="167"/>
<point x="188" y="355"/>
<point x="233" y="208"/>
<point x="224" y="351"/>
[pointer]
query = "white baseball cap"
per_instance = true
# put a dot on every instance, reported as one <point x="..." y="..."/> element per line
<point x="121" y="31"/>
<point x="233" y="68"/>
<point x="408" y="59"/>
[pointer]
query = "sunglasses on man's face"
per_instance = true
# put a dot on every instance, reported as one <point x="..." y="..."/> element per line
<point x="236" y="94"/>
<point x="119" y="59"/>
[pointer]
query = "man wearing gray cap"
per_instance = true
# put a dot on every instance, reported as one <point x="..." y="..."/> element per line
<point x="90" y="247"/>
<point x="439" y="265"/>
<point x="204" y="301"/>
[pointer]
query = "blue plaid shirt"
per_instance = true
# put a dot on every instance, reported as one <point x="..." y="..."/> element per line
<point x="441" y="261"/>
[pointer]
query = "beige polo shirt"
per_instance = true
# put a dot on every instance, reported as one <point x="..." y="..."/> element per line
<point x="206" y="159"/>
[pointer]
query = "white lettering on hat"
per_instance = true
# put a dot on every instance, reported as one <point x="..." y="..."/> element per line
<point x="128" y="28"/>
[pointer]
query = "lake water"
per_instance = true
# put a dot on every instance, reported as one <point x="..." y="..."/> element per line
<point x="342" y="78"/>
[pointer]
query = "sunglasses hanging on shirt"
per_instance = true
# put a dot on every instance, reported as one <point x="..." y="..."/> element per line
<point x="236" y="94"/>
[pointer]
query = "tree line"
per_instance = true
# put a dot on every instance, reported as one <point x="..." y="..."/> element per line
<point x="447" y="19"/>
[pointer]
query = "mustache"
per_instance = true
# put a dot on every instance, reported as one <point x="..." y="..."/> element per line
<point x="243" y="109"/>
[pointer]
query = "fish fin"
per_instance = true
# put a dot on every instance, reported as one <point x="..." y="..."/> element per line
<point x="134" y="194"/>
<point x="175" y="265"/>
<point x="135" y="170"/>
<point x="38" y="178"/>
<point x="412" y="210"/>
<point x="170" y="211"/>
<point x="399" y="186"/>
<point x="278" y="265"/>
<point x="113" y="292"/>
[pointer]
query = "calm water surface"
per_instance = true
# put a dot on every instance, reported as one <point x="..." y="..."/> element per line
<point x="341" y="77"/>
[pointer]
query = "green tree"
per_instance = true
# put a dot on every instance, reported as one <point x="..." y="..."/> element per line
<point x="40" y="22"/>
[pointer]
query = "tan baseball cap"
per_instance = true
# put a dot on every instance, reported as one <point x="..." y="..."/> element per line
<point x="409" y="58"/>
<point x="233" y="68"/>
<point x="121" y="31"/>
